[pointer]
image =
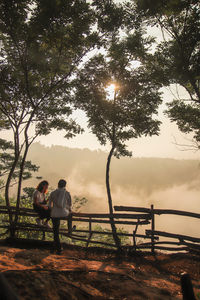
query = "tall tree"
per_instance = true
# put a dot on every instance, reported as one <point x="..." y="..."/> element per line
<point x="177" y="58"/>
<point x="43" y="43"/>
<point x="127" y="113"/>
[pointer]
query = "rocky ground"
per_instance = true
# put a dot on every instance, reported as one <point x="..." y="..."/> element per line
<point x="96" y="274"/>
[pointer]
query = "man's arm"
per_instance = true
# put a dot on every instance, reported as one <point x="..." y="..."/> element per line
<point x="69" y="202"/>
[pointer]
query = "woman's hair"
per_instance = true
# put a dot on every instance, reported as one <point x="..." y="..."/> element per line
<point x="41" y="185"/>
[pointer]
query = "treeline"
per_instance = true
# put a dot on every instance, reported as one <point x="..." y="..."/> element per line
<point x="85" y="166"/>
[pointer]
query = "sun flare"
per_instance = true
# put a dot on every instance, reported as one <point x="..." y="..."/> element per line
<point x="110" y="89"/>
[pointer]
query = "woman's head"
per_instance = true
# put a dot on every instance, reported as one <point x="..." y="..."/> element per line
<point x="43" y="186"/>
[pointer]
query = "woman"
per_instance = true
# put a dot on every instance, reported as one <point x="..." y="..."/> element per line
<point x="39" y="203"/>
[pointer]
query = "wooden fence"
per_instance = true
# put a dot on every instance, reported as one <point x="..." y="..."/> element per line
<point x="133" y="217"/>
<point x="179" y="242"/>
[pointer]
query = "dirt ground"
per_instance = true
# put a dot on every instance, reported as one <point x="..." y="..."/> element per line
<point x="96" y="274"/>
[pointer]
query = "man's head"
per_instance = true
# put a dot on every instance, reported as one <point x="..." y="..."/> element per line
<point x="62" y="183"/>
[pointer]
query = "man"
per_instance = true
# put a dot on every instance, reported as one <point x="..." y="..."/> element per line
<point x="60" y="204"/>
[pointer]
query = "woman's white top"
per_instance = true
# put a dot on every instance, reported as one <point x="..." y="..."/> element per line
<point x="60" y="203"/>
<point x="40" y="197"/>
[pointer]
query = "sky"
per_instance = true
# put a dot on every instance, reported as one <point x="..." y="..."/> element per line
<point x="164" y="145"/>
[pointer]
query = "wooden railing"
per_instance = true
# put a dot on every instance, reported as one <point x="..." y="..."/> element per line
<point x="132" y="217"/>
<point x="182" y="241"/>
<point x="88" y="220"/>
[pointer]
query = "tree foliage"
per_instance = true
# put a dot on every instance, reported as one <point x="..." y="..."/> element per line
<point x="177" y="58"/>
<point x="129" y="112"/>
<point x="43" y="45"/>
<point x="6" y="161"/>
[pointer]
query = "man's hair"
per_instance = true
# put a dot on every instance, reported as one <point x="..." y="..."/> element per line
<point x="41" y="185"/>
<point x="62" y="183"/>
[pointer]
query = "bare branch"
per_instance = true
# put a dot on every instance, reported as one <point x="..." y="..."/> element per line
<point x="192" y="145"/>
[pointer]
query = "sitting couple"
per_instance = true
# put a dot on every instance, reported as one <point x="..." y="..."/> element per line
<point x="59" y="207"/>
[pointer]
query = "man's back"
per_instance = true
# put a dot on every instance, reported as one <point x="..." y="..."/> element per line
<point x="60" y="203"/>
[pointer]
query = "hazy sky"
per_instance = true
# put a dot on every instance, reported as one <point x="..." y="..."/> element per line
<point x="156" y="146"/>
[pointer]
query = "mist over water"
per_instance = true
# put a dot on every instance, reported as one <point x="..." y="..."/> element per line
<point x="165" y="183"/>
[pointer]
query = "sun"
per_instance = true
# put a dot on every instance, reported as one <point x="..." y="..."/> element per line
<point x="110" y="89"/>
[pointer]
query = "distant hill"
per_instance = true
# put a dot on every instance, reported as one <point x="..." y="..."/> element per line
<point x="131" y="178"/>
<point x="86" y="166"/>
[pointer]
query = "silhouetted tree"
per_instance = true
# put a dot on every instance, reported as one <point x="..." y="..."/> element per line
<point x="177" y="58"/>
<point x="127" y="113"/>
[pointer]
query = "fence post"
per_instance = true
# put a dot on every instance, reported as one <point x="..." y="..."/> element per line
<point x="134" y="233"/>
<point x="43" y="235"/>
<point x="90" y="233"/>
<point x="187" y="288"/>
<point x="152" y="230"/>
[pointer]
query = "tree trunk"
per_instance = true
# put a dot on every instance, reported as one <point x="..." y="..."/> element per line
<point x="27" y="145"/>
<point x="9" y="178"/>
<point x="7" y="198"/>
<point x="112" y="222"/>
<point x="20" y="183"/>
